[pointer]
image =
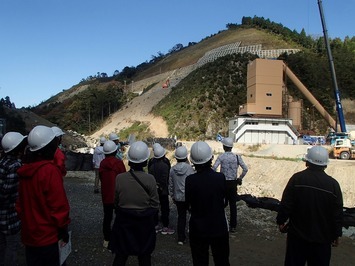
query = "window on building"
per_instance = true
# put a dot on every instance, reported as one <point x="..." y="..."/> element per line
<point x="268" y="107"/>
<point x="275" y="124"/>
<point x="251" y="95"/>
<point x="268" y="94"/>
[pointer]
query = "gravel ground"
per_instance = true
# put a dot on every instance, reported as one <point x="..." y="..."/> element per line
<point x="256" y="242"/>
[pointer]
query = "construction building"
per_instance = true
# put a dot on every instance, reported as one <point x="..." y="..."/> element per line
<point x="262" y="119"/>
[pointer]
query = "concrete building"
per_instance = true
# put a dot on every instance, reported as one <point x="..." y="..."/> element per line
<point x="265" y="85"/>
<point x="258" y="130"/>
<point x="261" y="120"/>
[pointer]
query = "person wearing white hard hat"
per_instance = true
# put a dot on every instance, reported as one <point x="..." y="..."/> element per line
<point x="159" y="166"/>
<point x="205" y="193"/>
<point x="13" y="144"/>
<point x="59" y="156"/>
<point x="156" y="146"/>
<point x="311" y="212"/>
<point x="42" y="205"/>
<point x="110" y="167"/>
<point x="97" y="157"/>
<point x="136" y="203"/>
<point x="229" y="164"/>
<point x="120" y="149"/>
<point x="178" y="174"/>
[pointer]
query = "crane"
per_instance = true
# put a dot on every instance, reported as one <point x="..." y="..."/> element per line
<point x="339" y="107"/>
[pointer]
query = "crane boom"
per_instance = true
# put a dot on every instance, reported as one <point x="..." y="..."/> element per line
<point x="339" y="107"/>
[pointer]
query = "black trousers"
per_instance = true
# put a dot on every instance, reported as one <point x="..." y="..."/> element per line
<point x="231" y="198"/>
<point x="143" y="260"/>
<point x="108" y="214"/>
<point x="200" y="250"/>
<point x="42" y="256"/>
<point x="299" y="251"/>
<point x="181" y="224"/>
<point x="164" y="210"/>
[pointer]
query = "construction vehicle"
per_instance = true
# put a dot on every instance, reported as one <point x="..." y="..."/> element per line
<point x="343" y="149"/>
<point x="333" y="136"/>
<point x="338" y="104"/>
<point x="166" y="84"/>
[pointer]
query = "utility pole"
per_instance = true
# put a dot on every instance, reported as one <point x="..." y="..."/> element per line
<point x="339" y="107"/>
<point x="89" y="118"/>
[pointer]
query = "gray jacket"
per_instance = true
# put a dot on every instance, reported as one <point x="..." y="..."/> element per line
<point x="178" y="174"/>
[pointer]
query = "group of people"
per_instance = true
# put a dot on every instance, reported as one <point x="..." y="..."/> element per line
<point x="140" y="199"/>
<point x="33" y="201"/>
<point x="99" y="155"/>
<point x="310" y="211"/>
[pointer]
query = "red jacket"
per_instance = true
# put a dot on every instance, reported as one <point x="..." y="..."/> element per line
<point x="110" y="167"/>
<point x="42" y="204"/>
<point x="59" y="160"/>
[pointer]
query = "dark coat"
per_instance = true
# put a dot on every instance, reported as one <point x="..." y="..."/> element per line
<point x="133" y="232"/>
<point x="160" y="169"/>
<point x="313" y="202"/>
<point x="205" y="193"/>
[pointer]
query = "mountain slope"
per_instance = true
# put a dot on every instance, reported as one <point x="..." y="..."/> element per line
<point x="75" y="107"/>
<point x="191" y="54"/>
<point x="137" y="110"/>
<point x="199" y="99"/>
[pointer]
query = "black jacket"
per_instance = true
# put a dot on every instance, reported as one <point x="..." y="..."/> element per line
<point x="160" y="169"/>
<point x="205" y="192"/>
<point x="313" y="203"/>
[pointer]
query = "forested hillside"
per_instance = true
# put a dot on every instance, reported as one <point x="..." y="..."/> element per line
<point x="200" y="104"/>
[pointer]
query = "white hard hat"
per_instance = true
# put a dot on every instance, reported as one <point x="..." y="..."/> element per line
<point x="181" y="153"/>
<point x="11" y="140"/>
<point x="109" y="147"/>
<point x="317" y="155"/>
<point x="159" y="152"/>
<point x="113" y="136"/>
<point x="200" y="152"/>
<point x="39" y="137"/>
<point x="57" y="131"/>
<point x="102" y="140"/>
<point x="156" y="145"/>
<point x="228" y="142"/>
<point x="138" y="152"/>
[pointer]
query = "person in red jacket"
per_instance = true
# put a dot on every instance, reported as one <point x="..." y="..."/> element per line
<point x="110" y="167"/>
<point x="59" y="156"/>
<point x="42" y="205"/>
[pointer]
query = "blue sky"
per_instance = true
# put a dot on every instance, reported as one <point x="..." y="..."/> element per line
<point x="49" y="46"/>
